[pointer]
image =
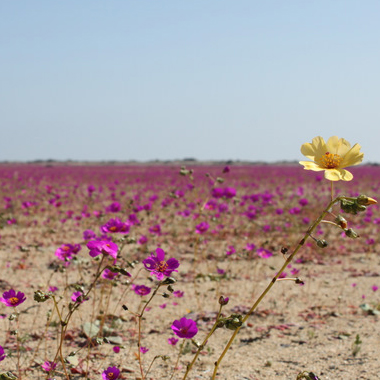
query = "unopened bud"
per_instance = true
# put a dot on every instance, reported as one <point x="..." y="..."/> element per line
<point x="223" y="300"/>
<point x="351" y="233"/>
<point x="234" y="321"/>
<point x="340" y="221"/>
<point x="125" y="272"/>
<point x="365" y="201"/>
<point x="40" y="296"/>
<point x="169" y="280"/>
<point x="322" y="243"/>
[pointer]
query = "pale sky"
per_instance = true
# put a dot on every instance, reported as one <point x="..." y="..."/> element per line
<point x="173" y="79"/>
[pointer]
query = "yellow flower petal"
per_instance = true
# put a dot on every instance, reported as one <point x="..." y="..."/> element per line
<point x="338" y="174"/>
<point x="316" y="149"/>
<point x="332" y="157"/>
<point x="339" y="146"/>
<point x="310" y="165"/>
<point x="352" y="157"/>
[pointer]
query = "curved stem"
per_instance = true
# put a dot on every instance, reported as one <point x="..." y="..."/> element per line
<point x="264" y="293"/>
<point x="200" y="348"/>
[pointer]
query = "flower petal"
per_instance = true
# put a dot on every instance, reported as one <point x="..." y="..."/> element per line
<point x="338" y="145"/>
<point x="308" y="165"/>
<point x="352" y="157"/>
<point x="338" y="174"/>
<point x="317" y="148"/>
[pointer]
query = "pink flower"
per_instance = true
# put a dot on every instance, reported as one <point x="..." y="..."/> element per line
<point x="141" y="290"/>
<point x="66" y="251"/>
<point x="157" y="265"/>
<point x="231" y="250"/>
<point x="111" y="373"/>
<point x="143" y="240"/>
<point x="77" y="297"/>
<point x="12" y="299"/>
<point x="108" y="274"/>
<point x="114" y="226"/>
<point x="49" y="366"/>
<point x="264" y="253"/>
<point x="116" y="349"/>
<point x="185" y="328"/>
<point x="2" y="354"/>
<point x="202" y="227"/>
<point x="173" y="341"/>
<point x="102" y="247"/>
<point x="144" y="350"/>
<point x="178" y="294"/>
<point x="155" y="230"/>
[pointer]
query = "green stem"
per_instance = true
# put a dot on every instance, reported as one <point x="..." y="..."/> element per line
<point x="264" y="293"/>
<point x="179" y="354"/>
<point x="139" y="334"/>
<point x="200" y="348"/>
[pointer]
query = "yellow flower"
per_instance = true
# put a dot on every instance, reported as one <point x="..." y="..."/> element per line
<point x="332" y="157"/>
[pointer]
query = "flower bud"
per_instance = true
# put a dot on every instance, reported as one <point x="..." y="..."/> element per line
<point x="223" y="300"/>
<point x="341" y="222"/>
<point x="40" y="296"/>
<point x="169" y="280"/>
<point x="365" y="201"/>
<point x="322" y="243"/>
<point x="234" y="321"/>
<point x="351" y="233"/>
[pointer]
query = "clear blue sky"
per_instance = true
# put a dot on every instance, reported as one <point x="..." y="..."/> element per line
<point x="172" y="79"/>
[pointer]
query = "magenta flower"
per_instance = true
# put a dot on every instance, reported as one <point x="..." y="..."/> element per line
<point x="88" y="235"/>
<point x="116" y="349"/>
<point x="108" y="274"/>
<point x="111" y="373"/>
<point x="144" y="350"/>
<point x="173" y="341"/>
<point x="143" y="240"/>
<point x="185" y="328"/>
<point x="155" y="230"/>
<point x="102" y="247"/>
<point x="78" y="297"/>
<point x="49" y="366"/>
<point x="202" y="227"/>
<point x="250" y="247"/>
<point x="113" y="207"/>
<point x="217" y="192"/>
<point x="141" y="290"/>
<point x="114" y="226"/>
<point x="229" y="192"/>
<point x="66" y="251"/>
<point x="264" y="253"/>
<point x="2" y="354"/>
<point x="231" y="250"/>
<point x="178" y="294"/>
<point x="374" y="288"/>
<point x="157" y="265"/>
<point x="12" y="299"/>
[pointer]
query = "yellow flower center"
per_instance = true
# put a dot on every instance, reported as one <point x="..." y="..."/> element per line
<point x="13" y="300"/>
<point x="330" y="160"/>
<point x="162" y="266"/>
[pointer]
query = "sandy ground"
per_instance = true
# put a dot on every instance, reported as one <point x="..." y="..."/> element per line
<point x="297" y="328"/>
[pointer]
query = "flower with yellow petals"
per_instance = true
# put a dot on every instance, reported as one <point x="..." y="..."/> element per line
<point x="331" y="157"/>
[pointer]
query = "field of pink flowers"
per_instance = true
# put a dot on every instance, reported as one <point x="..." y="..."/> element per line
<point x="125" y="269"/>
